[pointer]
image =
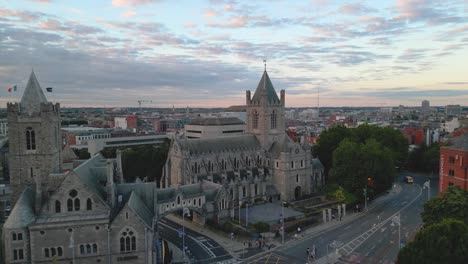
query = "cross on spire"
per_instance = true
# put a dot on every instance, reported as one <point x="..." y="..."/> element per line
<point x="264" y="62"/>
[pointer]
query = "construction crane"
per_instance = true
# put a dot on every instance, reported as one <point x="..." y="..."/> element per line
<point x="143" y="101"/>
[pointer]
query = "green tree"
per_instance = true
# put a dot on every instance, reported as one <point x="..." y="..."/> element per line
<point x="454" y="204"/>
<point x="261" y="227"/>
<point x="444" y="242"/>
<point x="327" y="143"/>
<point x="82" y="153"/>
<point x="354" y="164"/>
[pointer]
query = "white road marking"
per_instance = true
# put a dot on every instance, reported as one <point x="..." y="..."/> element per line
<point x="347" y="227"/>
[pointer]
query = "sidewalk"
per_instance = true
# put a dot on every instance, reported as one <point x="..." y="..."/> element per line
<point x="239" y="249"/>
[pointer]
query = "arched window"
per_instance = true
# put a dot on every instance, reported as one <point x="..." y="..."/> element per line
<point x="82" y="249"/>
<point x="209" y="165"/>
<point x="88" y="249"/>
<point x="73" y="203"/>
<point x="70" y="205"/>
<point x="46" y="252"/>
<point x="273" y="119"/>
<point x="255" y="119"/>
<point x="53" y="252"/>
<point x="127" y="240"/>
<point x="89" y="204"/>
<point x="59" y="251"/>
<point x="30" y="139"/>
<point x="77" y="204"/>
<point x="58" y="207"/>
<point x="13" y="236"/>
<point x="235" y="163"/>
<point x="178" y="199"/>
<point x="94" y="248"/>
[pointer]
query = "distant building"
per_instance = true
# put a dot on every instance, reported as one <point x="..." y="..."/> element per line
<point x="214" y="127"/>
<point x="415" y="136"/>
<point x="79" y="136"/>
<point x="425" y="107"/>
<point x="453" y="164"/>
<point x="452" y="110"/>
<point x="125" y="122"/>
<point x="450" y="125"/>
<point x="309" y="114"/>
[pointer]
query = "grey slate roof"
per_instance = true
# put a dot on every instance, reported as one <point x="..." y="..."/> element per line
<point x="91" y="172"/>
<point x="208" y="145"/>
<point x="22" y="214"/>
<point x="32" y="96"/>
<point x="316" y="164"/>
<point x="459" y="143"/>
<point x="216" y="121"/>
<point x="191" y="190"/>
<point x="144" y="190"/>
<point x="265" y="88"/>
<point x="68" y="154"/>
<point x="139" y="207"/>
<point x="165" y="195"/>
<point x="271" y="190"/>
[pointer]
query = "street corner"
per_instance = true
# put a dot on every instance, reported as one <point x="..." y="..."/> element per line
<point x="270" y="258"/>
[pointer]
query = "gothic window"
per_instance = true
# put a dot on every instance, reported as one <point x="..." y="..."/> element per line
<point x="31" y="172"/>
<point x="235" y="163"/>
<point x="30" y="139"/>
<point x="297" y="178"/>
<point x="13" y="236"/>
<point x="59" y="251"/>
<point x="243" y="191"/>
<point x="89" y="204"/>
<point x="46" y="252"/>
<point x="256" y="189"/>
<point x="82" y="249"/>
<point x="127" y="241"/>
<point x="18" y="254"/>
<point x="178" y="199"/>
<point x="77" y="204"/>
<point x="73" y="203"/>
<point x="209" y="165"/>
<point x="58" y="207"/>
<point x="273" y="119"/>
<point x="255" y="119"/>
<point x="94" y="248"/>
<point x="292" y="164"/>
<point x="20" y="236"/>
<point x="70" y="205"/>
<point x="302" y="163"/>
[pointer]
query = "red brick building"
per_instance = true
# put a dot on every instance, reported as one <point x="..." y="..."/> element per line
<point x="454" y="164"/>
<point x="415" y="136"/>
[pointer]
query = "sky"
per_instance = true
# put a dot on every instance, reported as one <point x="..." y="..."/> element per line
<point x="207" y="53"/>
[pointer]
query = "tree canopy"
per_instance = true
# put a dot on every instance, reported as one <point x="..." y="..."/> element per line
<point x="424" y="158"/>
<point x="392" y="139"/>
<point x="444" y="242"/>
<point x="454" y="204"/>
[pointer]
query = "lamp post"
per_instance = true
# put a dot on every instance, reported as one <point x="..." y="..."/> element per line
<point x="184" y="212"/>
<point x="246" y="214"/>
<point x="335" y="244"/>
<point x="427" y="185"/>
<point x="396" y="220"/>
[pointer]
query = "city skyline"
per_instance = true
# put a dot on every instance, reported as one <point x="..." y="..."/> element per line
<point x="207" y="53"/>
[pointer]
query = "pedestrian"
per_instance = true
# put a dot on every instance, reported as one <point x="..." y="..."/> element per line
<point x="298" y="229"/>
<point x="308" y="253"/>
<point x="269" y="246"/>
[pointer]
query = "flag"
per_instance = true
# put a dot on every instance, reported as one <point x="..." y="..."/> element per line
<point x="12" y="89"/>
<point x="49" y="89"/>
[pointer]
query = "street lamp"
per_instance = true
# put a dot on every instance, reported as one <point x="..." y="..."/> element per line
<point x="427" y="185"/>
<point x="396" y="220"/>
<point x="72" y="246"/>
<point x="185" y="211"/>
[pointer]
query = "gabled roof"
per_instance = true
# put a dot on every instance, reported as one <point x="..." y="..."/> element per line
<point x="208" y="145"/>
<point x="91" y="172"/>
<point x="32" y="96"/>
<point x="140" y="209"/>
<point x="22" y="214"/>
<point x="68" y="155"/>
<point x="265" y="89"/>
<point x="317" y="164"/>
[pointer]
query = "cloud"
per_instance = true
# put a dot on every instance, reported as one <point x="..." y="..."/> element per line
<point x="210" y="12"/>
<point x="190" y="24"/>
<point x="42" y="1"/>
<point x="132" y="3"/>
<point x="456" y="83"/>
<point x="356" y="9"/>
<point x="233" y="22"/>
<point x="128" y="14"/>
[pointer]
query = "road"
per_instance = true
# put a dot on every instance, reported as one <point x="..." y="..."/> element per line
<point x="202" y="249"/>
<point x="368" y="239"/>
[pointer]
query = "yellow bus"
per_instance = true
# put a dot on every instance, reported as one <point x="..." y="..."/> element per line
<point x="409" y="179"/>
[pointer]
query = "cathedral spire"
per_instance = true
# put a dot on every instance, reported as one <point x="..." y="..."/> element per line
<point x="265" y="90"/>
<point x="33" y="95"/>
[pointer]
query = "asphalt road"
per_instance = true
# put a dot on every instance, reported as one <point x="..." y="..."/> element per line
<point x="368" y="239"/>
<point x="202" y="249"/>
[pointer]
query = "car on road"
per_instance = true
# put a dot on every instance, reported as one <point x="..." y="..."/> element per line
<point x="408" y="179"/>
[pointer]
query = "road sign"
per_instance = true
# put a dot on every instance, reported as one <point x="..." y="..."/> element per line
<point x="402" y="244"/>
<point x="180" y="232"/>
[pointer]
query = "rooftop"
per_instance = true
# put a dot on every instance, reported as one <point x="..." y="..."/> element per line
<point x="221" y="121"/>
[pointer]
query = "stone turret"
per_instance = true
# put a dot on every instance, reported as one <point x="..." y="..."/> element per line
<point x="35" y="141"/>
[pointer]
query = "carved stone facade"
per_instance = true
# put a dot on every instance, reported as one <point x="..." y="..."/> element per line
<point x="264" y="164"/>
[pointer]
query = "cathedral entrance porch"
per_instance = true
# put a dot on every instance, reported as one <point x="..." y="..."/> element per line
<point x="297" y="193"/>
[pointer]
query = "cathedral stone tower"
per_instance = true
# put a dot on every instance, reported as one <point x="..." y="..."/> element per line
<point x="35" y="141"/>
<point x="265" y="113"/>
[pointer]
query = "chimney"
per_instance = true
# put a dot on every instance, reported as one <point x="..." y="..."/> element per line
<point x="248" y="99"/>
<point x="110" y="183"/>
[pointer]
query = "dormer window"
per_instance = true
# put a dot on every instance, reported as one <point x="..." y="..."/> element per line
<point x="30" y="139"/>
